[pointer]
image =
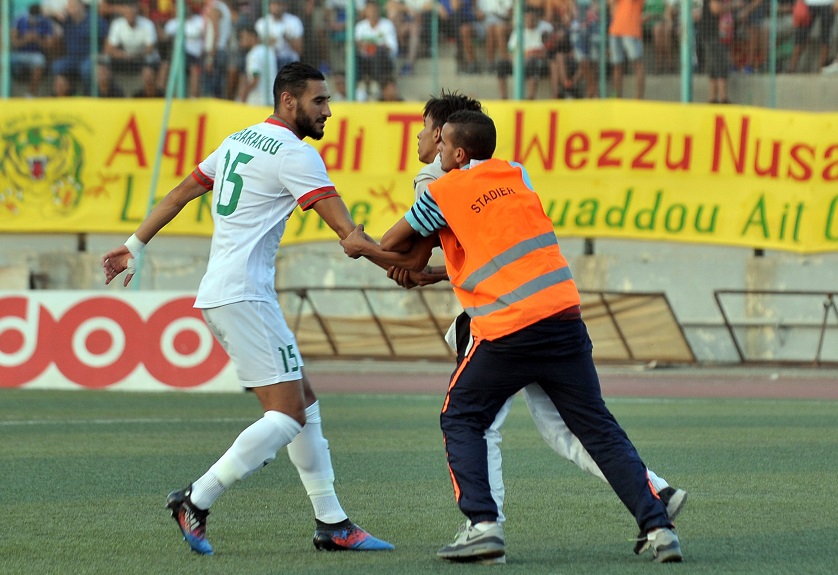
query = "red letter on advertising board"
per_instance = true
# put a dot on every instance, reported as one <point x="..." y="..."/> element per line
<point x="132" y="132"/>
<point x="405" y="120"/>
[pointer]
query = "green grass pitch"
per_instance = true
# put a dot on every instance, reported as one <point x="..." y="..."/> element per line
<point x="84" y="474"/>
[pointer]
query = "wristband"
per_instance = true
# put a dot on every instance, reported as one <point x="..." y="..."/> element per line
<point x="134" y="245"/>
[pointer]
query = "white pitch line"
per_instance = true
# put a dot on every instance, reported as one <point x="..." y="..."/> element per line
<point x="25" y="422"/>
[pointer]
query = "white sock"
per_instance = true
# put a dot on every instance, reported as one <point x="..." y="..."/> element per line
<point x="206" y="490"/>
<point x="659" y="483"/>
<point x="254" y="448"/>
<point x="309" y="452"/>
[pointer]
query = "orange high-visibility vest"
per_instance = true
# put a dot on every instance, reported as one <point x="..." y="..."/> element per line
<point x="500" y="249"/>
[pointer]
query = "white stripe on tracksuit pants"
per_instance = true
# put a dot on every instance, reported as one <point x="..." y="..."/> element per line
<point x="547" y="420"/>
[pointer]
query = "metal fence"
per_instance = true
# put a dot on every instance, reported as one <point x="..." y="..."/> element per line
<point x="762" y="329"/>
<point x="684" y="50"/>
<point x="392" y="323"/>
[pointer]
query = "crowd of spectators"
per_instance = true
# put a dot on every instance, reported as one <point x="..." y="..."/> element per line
<point x="232" y="50"/>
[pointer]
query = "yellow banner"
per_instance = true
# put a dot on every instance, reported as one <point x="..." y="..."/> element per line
<point x="725" y="175"/>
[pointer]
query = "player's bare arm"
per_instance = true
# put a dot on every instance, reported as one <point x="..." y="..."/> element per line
<point x="410" y="279"/>
<point x="416" y="258"/>
<point x="118" y="260"/>
<point x="429" y="275"/>
<point x="335" y="213"/>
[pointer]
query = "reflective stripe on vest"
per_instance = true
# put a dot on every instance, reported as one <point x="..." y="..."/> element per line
<point x="500" y="249"/>
<point x="521" y="292"/>
<point x="510" y="255"/>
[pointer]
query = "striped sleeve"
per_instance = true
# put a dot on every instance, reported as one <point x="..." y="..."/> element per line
<point x="425" y="216"/>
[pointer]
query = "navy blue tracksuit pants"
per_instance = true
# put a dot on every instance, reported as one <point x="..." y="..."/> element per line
<point x="556" y="354"/>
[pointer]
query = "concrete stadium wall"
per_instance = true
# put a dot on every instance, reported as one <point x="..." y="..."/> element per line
<point x="812" y="92"/>
<point x="806" y="92"/>
<point x="687" y="274"/>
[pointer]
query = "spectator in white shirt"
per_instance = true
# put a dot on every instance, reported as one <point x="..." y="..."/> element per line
<point x="535" y="52"/>
<point x="260" y="70"/>
<point x="284" y="32"/>
<point x="131" y="46"/>
<point x="219" y="22"/>
<point x="496" y="19"/>
<point x="377" y="47"/>
<point x="194" y="38"/>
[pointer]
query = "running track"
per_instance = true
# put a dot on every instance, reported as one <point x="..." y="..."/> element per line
<point x="698" y="382"/>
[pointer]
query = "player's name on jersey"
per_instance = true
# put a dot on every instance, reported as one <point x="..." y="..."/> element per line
<point x="256" y="140"/>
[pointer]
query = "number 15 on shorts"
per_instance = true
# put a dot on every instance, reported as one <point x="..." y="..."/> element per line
<point x="289" y="359"/>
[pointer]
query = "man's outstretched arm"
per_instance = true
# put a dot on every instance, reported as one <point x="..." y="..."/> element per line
<point x="412" y="255"/>
<point x="121" y="258"/>
<point x="334" y="212"/>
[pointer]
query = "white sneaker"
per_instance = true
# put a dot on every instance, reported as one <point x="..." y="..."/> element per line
<point x="475" y="543"/>
<point x="674" y="499"/>
<point x="665" y="545"/>
<point x="831" y="68"/>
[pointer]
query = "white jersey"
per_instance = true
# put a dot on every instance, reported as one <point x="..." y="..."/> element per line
<point x="258" y="177"/>
<point x="427" y="175"/>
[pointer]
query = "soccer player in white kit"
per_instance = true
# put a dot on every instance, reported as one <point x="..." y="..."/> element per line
<point x="547" y="419"/>
<point x="257" y="177"/>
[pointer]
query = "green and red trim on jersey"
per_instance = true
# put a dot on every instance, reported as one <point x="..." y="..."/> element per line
<point x="277" y="121"/>
<point x="202" y="178"/>
<point x="308" y="200"/>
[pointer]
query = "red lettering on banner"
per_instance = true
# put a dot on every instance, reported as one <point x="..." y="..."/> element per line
<point x="334" y="153"/>
<point x="131" y="132"/>
<point x="359" y="151"/>
<point x="338" y="148"/>
<point x="572" y="150"/>
<point x="722" y="136"/>
<point x="200" y="138"/>
<point x="605" y="160"/>
<point x="804" y="163"/>
<point x="774" y="159"/>
<point x="99" y="341"/>
<point x="178" y="151"/>
<point x="184" y="356"/>
<point x="88" y="321"/>
<point x="773" y="168"/>
<point x="23" y="326"/>
<point x="650" y="138"/>
<point x="522" y="156"/>
<point x="407" y="136"/>
<point x="685" y="161"/>
<point x="830" y="170"/>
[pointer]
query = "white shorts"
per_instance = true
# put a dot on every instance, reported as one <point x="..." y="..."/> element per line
<point x="258" y="340"/>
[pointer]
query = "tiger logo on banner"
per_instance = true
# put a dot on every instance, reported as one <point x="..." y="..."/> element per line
<point x="41" y="170"/>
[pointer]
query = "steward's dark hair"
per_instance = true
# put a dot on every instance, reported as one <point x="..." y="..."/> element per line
<point x="474" y="132"/>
